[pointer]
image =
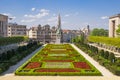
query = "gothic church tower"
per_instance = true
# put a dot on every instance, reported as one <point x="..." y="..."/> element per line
<point x="59" y="31"/>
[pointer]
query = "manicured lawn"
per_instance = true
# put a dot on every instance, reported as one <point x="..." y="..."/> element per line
<point x="58" y="59"/>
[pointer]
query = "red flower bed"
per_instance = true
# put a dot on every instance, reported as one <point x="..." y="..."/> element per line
<point x="58" y="60"/>
<point x="56" y="70"/>
<point x="82" y="65"/>
<point x="33" y="65"/>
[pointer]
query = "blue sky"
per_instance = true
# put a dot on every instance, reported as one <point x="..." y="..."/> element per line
<point x="75" y="14"/>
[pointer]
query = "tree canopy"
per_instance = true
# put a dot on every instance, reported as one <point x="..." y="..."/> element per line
<point x="99" y="32"/>
<point x="118" y="30"/>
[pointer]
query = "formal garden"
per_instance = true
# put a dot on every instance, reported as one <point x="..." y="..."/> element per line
<point x="103" y="57"/>
<point x="57" y="59"/>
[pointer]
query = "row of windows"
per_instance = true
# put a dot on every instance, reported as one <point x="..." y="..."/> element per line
<point x="24" y="27"/>
<point x="17" y="30"/>
<point x="17" y="33"/>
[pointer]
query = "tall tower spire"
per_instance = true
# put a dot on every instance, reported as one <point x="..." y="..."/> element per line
<point x="59" y="31"/>
<point x="59" y="21"/>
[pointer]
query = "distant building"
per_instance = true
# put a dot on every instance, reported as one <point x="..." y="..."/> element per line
<point x="45" y="34"/>
<point x="66" y="35"/>
<point x="16" y="30"/>
<point x="32" y="33"/>
<point x="3" y="25"/>
<point x="114" y="21"/>
<point x="69" y="34"/>
<point x="86" y="31"/>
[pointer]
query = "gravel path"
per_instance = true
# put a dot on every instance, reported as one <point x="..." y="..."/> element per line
<point x="102" y="69"/>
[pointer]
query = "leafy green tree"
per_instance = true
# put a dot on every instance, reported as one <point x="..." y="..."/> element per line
<point x="112" y="57"/>
<point x="10" y="40"/>
<point x="101" y="53"/>
<point x="118" y="30"/>
<point x="99" y="32"/>
<point x="82" y="38"/>
<point x="106" y="54"/>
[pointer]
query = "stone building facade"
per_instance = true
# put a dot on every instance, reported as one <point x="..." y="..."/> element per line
<point x="16" y="30"/>
<point x="46" y="34"/>
<point x="114" y="21"/>
<point x="3" y="25"/>
<point x="43" y="34"/>
<point x="69" y="34"/>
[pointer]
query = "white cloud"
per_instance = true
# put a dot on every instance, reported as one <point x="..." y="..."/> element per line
<point x="64" y="22"/>
<point x="85" y="23"/>
<point x="13" y="17"/>
<point x="67" y="15"/>
<point x="42" y="13"/>
<point x="33" y="9"/>
<point x="7" y="14"/>
<point x="10" y="16"/>
<point x="104" y="17"/>
<point x="28" y="21"/>
<point x="52" y="19"/>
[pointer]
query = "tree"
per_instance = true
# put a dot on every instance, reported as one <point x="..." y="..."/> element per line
<point x="99" y="32"/>
<point x="118" y="30"/>
<point x="106" y="54"/>
<point x="112" y="57"/>
<point x="101" y="53"/>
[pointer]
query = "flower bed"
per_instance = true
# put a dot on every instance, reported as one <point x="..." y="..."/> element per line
<point x="82" y="65"/>
<point x="56" y="59"/>
<point x="56" y="70"/>
<point x="33" y="65"/>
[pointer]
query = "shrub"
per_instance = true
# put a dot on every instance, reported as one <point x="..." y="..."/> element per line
<point x="12" y="56"/>
<point x="112" y="57"/>
<point x="106" y="54"/>
<point x="101" y="52"/>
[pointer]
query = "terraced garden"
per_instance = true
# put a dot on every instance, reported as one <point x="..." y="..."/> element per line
<point x="57" y="59"/>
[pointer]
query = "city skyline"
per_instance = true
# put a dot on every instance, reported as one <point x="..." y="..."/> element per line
<point x="74" y="14"/>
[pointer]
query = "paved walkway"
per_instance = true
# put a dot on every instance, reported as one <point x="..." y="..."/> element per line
<point x="9" y="75"/>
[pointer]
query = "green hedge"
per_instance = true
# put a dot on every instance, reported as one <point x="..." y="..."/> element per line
<point x="10" y="40"/>
<point x="20" y="53"/>
<point x="114" y="67"/>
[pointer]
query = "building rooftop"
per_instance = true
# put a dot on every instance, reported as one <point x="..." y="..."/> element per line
<point x="3" y="15"/>
<point x="117" y="15"/>
<point x="65" y="31"/>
